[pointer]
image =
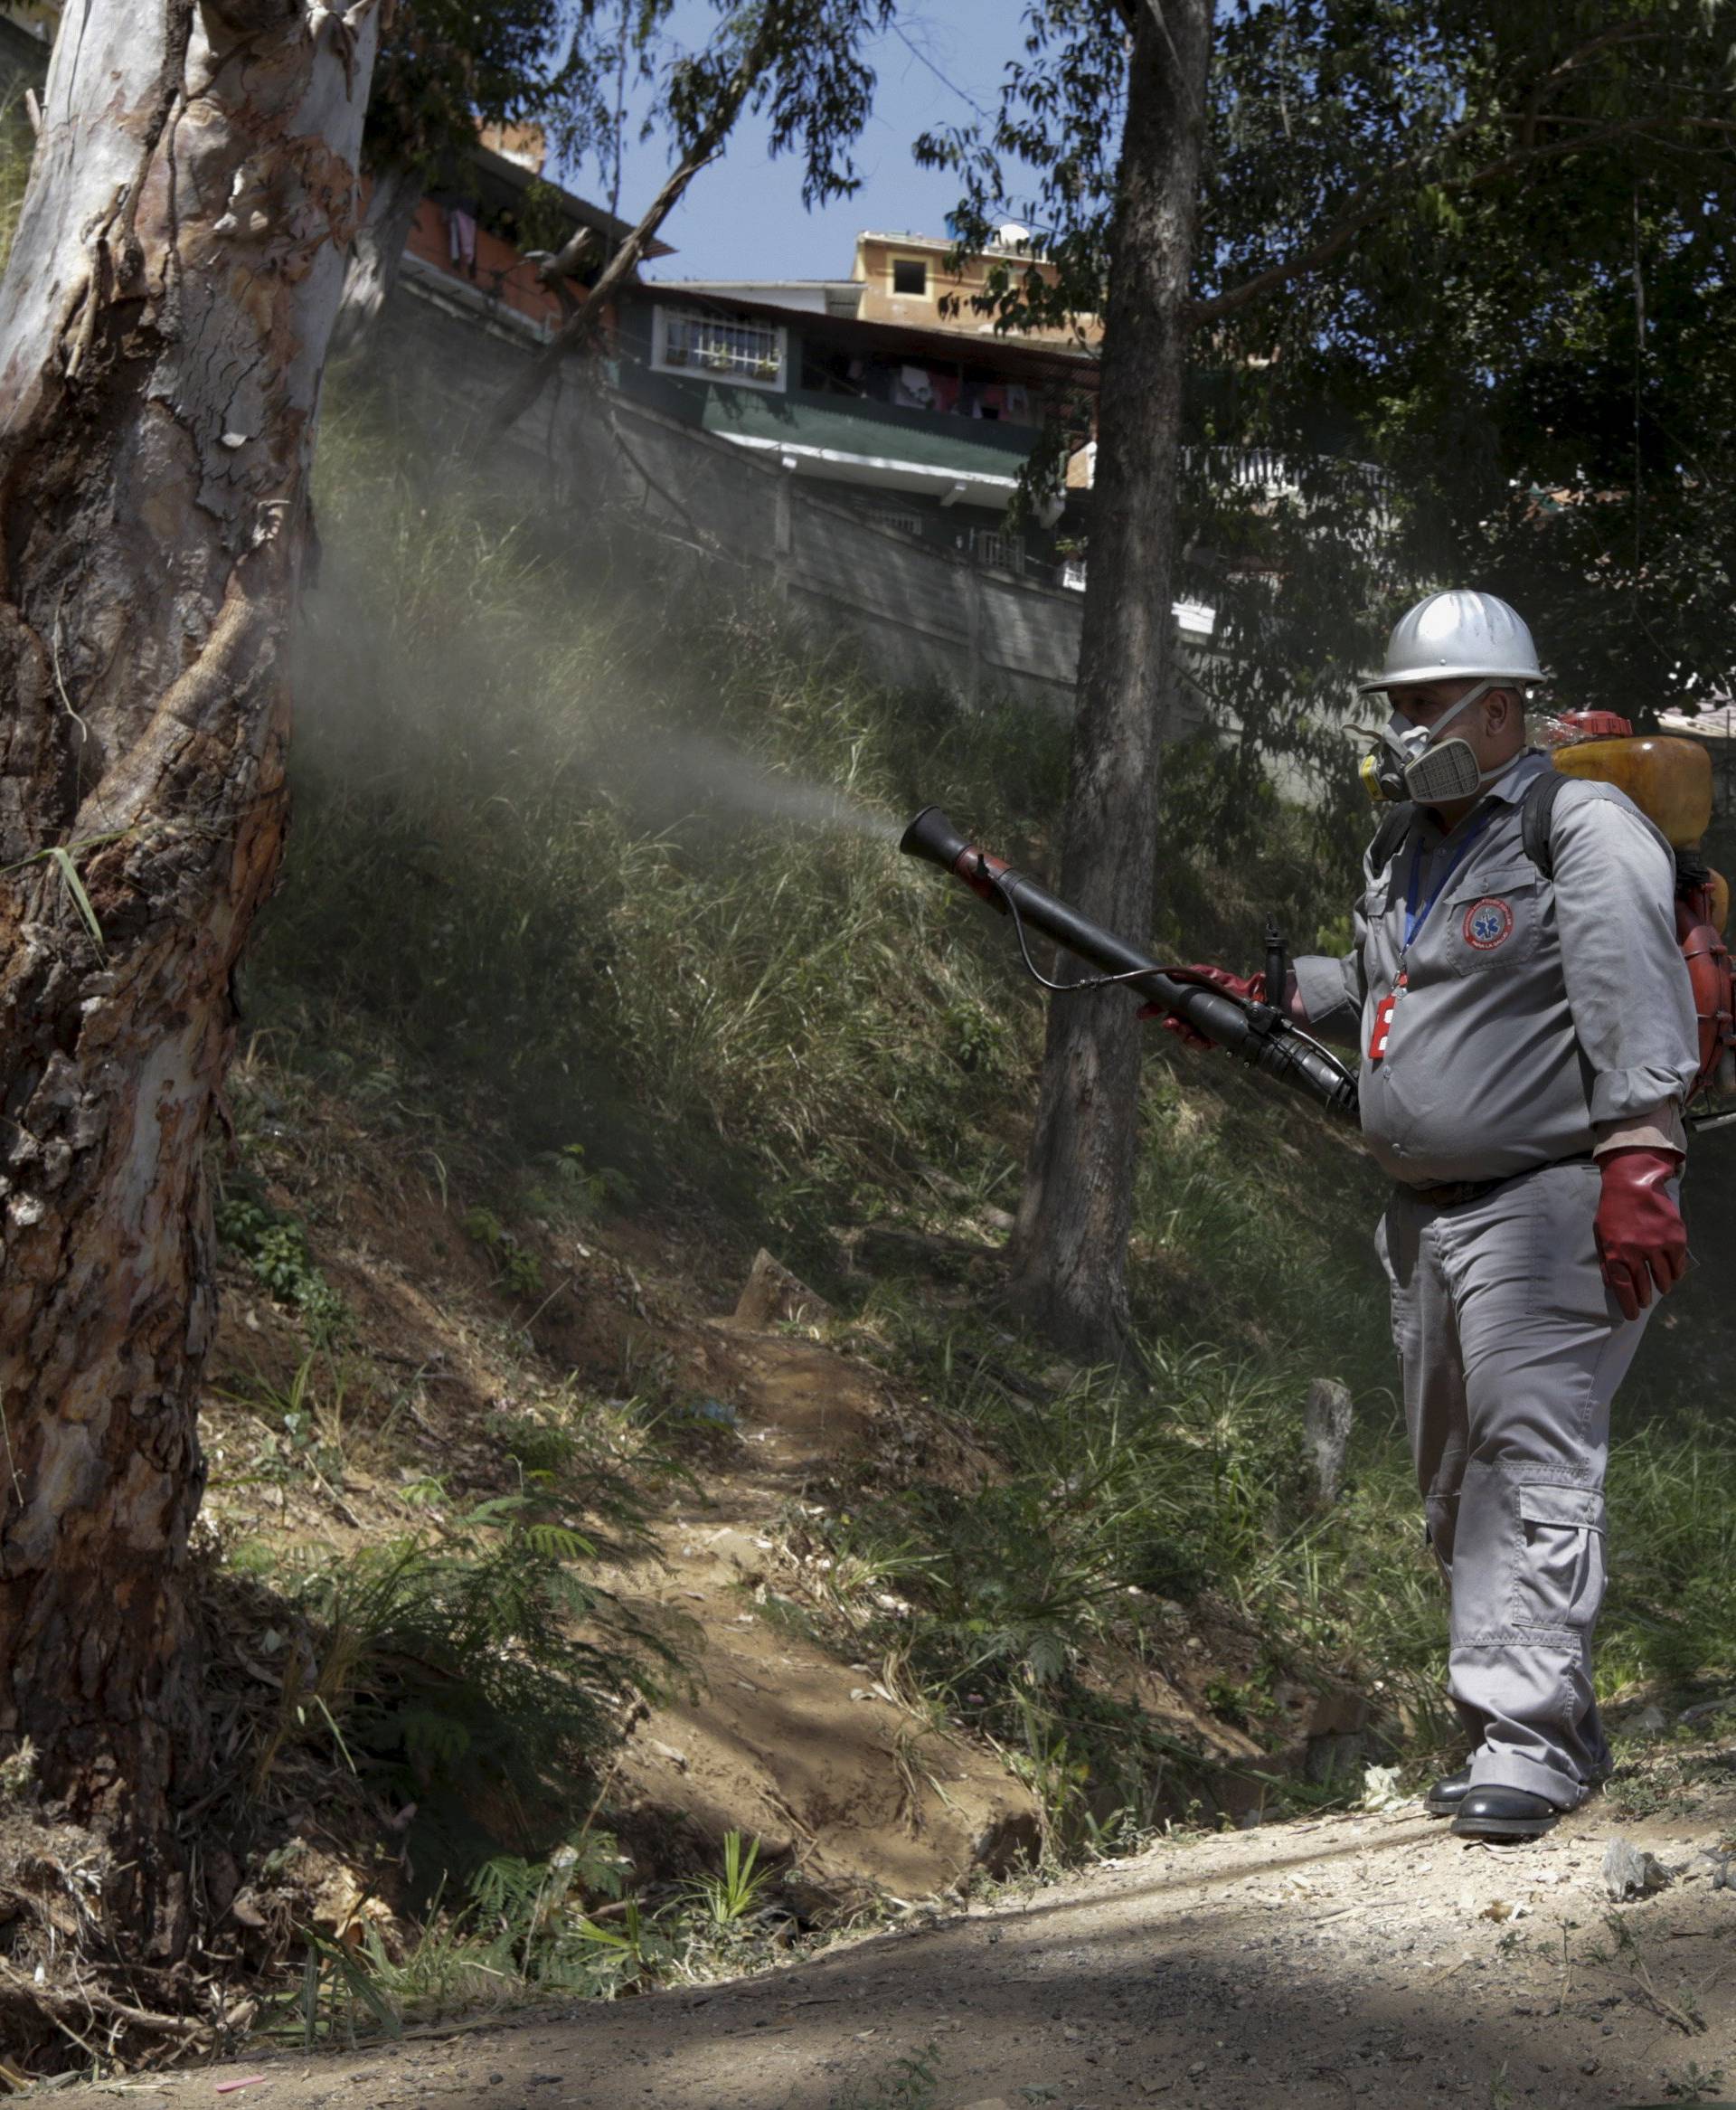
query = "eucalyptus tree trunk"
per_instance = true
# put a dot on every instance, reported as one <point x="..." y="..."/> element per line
<point x="162" y="325"/>
<point x="1069" y="1243"/>
<point x="376" y="259"/>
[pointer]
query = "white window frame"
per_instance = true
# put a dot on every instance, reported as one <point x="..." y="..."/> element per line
<point x="700" y="368"/>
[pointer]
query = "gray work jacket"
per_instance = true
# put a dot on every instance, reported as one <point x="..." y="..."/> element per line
<point x="1531" y="1011"/>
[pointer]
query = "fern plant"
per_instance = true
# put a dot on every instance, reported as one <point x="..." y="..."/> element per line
<point x="543" y="1924"/>
<point x="465" y="1685"/>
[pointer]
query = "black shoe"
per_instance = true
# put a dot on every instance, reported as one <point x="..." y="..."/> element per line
<point x="1444" y="1798"/>
<point x="1504" y="1814"/>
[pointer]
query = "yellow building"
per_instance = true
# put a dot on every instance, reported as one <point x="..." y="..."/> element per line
<point x="906" y="278"/>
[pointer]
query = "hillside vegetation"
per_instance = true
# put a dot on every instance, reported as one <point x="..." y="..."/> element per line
<point x="595" y="967"/>
<point x="557" y="843"/>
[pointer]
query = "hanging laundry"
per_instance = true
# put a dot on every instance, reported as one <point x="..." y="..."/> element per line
<point x="461" y="234"/>
<point x="946" y="387"/>
<point x="991" y="400"/>
<point x="1018" y="403"/>
<point x="912" y="389"/>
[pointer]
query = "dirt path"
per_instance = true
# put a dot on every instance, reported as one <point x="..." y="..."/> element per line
<point x="1352" y="1959"/>
<point x="814" y="1758"/>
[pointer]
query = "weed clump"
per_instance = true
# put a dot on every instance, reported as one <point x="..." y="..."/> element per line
<point x="275" y="1246"/>
<point x="474" y="1676"/>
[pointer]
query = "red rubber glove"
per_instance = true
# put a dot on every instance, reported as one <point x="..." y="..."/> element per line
<point x="1250" y="988"/>
<point x="1641" y="1237"/>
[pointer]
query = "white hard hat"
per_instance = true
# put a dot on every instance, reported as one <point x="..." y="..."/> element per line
<point x="1451" y="636"/>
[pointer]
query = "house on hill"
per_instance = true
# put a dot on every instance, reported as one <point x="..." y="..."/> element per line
<point x="491" y="213"/>
<point x="886" y="389"/>
<point x="912" y="278"/>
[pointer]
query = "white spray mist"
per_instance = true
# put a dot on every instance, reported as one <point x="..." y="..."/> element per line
<point x="692" y="767"/>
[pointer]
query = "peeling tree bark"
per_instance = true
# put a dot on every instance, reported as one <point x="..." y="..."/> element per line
<point x="163" y="325"/>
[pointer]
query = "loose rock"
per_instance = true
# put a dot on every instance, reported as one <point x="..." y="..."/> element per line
<point x="1629" y="1871"/>
<point x="771" y="1293"/>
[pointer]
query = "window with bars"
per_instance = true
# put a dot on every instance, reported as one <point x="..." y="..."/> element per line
<point x="728" y="347"/>
<point x="1004" y="552"/>
<point x="906" y="518"/>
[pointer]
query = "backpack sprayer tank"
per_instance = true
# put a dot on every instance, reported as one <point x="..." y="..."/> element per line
<point x="1255" y="1034"/>
<point x="1670" y="781"/>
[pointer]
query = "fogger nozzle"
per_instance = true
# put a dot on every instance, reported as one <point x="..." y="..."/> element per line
<point x="1254" y="1034"/>
<point x="932" y="836"/>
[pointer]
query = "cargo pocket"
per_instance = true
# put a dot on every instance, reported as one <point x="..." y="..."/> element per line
<point x="1559" y="1576"/>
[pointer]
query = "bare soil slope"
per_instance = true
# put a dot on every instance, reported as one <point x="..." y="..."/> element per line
<point x="817" y="1759"/>
<point x="853" y="1791"/>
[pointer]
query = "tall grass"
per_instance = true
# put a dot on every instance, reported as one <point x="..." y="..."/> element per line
<point x="527" y="835"/>
<point x="509" y="844"/>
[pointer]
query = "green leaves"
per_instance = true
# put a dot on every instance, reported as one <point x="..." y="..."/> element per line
<point x="727" y="1899"/>
<point x="275" y="1245"/>
<point x="61" y="860"/>
<point x="455" y="1676"/>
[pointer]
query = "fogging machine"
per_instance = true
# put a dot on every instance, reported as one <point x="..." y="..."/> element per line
<point x="1254" y="1033"/>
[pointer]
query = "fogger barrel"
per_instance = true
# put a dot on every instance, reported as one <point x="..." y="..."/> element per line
<point x="1254" y="1034"/>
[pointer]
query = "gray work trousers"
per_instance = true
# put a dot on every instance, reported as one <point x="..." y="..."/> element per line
<point x="1513" y="1348"/>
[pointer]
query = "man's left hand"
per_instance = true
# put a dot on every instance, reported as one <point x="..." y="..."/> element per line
<point x="1641" y="1237"/>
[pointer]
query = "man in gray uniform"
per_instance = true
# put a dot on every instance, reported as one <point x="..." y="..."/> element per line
<point x="1526" y="1039"/>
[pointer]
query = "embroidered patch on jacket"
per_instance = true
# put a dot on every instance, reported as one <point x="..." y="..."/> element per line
<point x="1488" y="923"/>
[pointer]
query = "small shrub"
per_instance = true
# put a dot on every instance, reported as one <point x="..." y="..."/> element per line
<point x="275" y="1246"/>
<point x="452" y="1676"/>
<point x="17" y="1774"/>
<point x="536" y="1920"/>
<point x="520" y="1269"/>
<point x="725" y="1900"/>
<point x="304" y="1433"/>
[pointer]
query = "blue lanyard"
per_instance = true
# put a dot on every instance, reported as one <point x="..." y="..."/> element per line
<point x="1414" y="919"/>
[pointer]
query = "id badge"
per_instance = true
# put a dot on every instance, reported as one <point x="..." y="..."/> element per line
<point x="1381" y="1031"/>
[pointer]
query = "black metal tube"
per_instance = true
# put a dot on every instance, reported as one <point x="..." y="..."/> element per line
<point x="1256" y="1034"/>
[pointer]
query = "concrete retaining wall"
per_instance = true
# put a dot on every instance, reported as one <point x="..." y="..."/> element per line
<point x="923" y="614"/>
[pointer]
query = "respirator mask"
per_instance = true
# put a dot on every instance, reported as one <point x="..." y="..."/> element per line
<point x="1413" y="762"/>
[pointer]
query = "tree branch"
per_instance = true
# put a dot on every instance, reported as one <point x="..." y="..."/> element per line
<point x="707" y="145"/>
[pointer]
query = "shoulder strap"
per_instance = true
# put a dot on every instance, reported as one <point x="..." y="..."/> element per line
<point x="1395" y="825"/>
<point x="1541" y="794"/>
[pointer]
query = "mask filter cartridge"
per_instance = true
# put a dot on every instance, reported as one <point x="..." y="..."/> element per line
<point x="1443" y="773"/>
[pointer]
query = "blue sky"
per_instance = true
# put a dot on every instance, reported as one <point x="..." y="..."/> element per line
<point x="743" y="217"/>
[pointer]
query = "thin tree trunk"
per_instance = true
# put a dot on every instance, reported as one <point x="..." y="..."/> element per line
<point x="162" y="325"/>
<point x="376" y="259"/>
<point x="1069" y="1245"/>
